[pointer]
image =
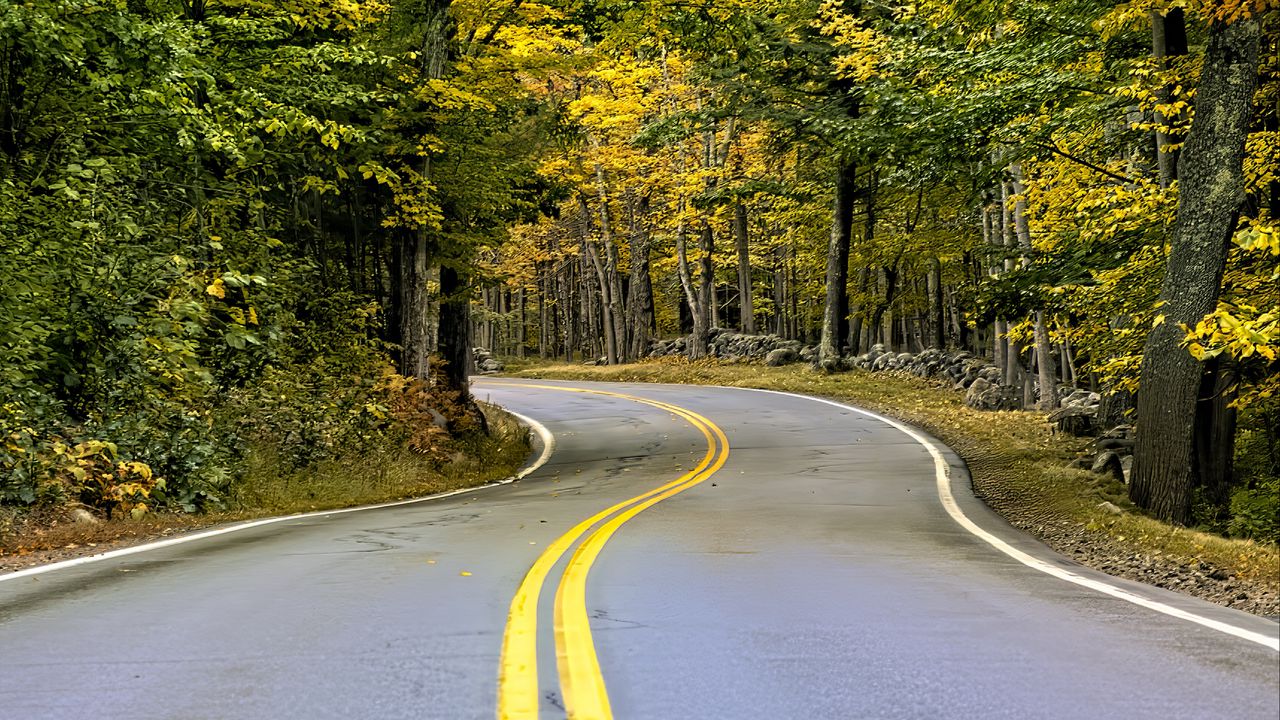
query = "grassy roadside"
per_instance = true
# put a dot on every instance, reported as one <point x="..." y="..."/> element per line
<point x="1019" y="468"/>
<point x="30" y="538"/>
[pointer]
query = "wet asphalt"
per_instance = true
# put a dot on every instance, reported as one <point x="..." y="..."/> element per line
<point x="815" y="576"/>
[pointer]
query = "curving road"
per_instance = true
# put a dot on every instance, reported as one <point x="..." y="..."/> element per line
<point x="801" y="560"/>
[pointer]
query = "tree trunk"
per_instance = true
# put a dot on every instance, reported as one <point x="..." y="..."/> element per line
<point x="937" y="320"/>
<point x="835" y="321"/>
<point x="706" y="275"/>
<point x="1216" y="431"/>
<point x="1044" y="350"/>
<point x="608" y="304"/>
<point x="415" y="338"/>
<point x="1211" y="189"/>
<point x="692" y="295"/>
<point x="641" y="302"/>
<point x="455" y="323"/>
<point x="1168" y="39"/>
<point x="746" y="304"/>
<point x="414" y="308"/>
<point x="617" y="314"/>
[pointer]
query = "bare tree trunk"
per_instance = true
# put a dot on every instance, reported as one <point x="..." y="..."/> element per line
<point x="706" y="275"/>
<point x="414" y="308"/>
<point x="641" y="301"/>
<point x="692" y="295"/>
<point x="780" y="291"/>
<point x="856" y="345"/>
<point x="834" y="316"/>
<point x="1044" y="351"/>
<point x="608" y="304"/>
<point x="617" y="314"/>
<point x="1211" y="189"/>
<point x="746" y="304"/>
<point x="937" y="321"/>
<point x="455" y="322"/>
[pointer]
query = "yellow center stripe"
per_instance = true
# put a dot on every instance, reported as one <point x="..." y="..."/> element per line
<point x="582" y="685"/>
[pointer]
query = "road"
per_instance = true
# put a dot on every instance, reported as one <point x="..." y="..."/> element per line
<point x="800" y="563"/>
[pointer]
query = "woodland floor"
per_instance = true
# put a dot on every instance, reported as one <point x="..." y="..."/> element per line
<point x="1019" y="468"/>
<point x="32" y="537"/>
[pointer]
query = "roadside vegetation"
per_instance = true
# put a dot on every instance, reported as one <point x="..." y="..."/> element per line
<point x="1020" y="467"/>
<point x="270" y="482"/>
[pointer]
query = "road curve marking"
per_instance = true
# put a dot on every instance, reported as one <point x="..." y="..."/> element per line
<point x="518" y="690"/>
<point x="942" y="474"/>
<point x="581" y="681"/>
<point x="548" y="446"/>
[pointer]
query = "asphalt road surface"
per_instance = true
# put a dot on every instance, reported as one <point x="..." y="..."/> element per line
<point x="801" y="560"/>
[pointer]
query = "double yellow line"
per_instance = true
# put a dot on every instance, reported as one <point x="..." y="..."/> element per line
<point x="581" y="683"/>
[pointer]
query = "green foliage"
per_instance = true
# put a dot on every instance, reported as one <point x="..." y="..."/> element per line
<point x="1255" y="511"/>
<point x="201" y="208"/>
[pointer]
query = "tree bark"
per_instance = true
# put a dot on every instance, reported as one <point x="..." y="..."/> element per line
<point x="641" y="302"/>
<point x="835" y="322"/>
<point x="1211" y="189"/>
<point x="1215" y="431"/>
<point x="608" y="304"/>
<point x="692" y="295"/>
<point x="455" y="325"/>
<point x="415" y="356"/>
<point x="746" y="304"/>
<point x="937" y="321"/>
<point x="1044" y="350"/>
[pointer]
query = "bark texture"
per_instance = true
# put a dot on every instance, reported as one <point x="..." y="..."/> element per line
<point x="1211" y="190"/>
<point x="834" y="333"/>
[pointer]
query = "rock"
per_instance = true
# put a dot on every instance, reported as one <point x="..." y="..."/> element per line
<point x="781" y="356"/>
<point x="490" y="365"/>
<point x="1126" y="467"/>
<point x="1078" y="420"/>
<point x="1119" y="445"/>
<point x="81" y="516"/>
<point x="1110" y="508"/>
<point x="985" y="395"/>
<point x="1108" y="463"/>
<point x="808" y="353"/>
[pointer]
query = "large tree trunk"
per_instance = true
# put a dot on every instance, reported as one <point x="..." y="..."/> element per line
<point x="415" y="339"/>
<point x="414" y="308"/>
<point x="1211" y="183"/>
<point x="455" y="326"/>
<point x="746" y="304"/>
<point x="835" y="321"/>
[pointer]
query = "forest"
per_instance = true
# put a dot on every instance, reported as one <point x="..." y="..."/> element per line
<point x="228" y="225"/>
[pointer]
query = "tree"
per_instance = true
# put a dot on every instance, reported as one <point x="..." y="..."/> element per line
<point x="1211" y="189"/>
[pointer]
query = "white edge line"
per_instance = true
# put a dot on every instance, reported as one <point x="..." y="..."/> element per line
<point x="548" y="446"/>
<point x="943" y="477"/>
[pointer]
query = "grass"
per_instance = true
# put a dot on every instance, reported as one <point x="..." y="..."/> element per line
<point x="385" y="474"/>
<point x="266" y="489"/>
<point x="1019" y="466"/>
